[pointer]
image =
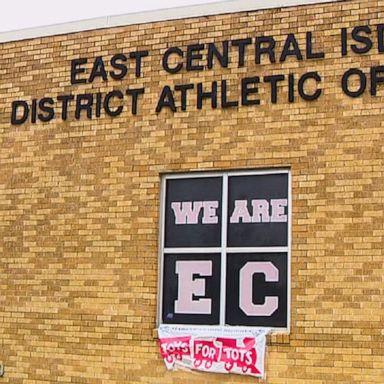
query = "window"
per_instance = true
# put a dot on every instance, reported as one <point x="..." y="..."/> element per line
<point x="225" y="249"/>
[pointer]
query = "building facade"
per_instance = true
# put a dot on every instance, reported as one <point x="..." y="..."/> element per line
<point x="98" y="127"/>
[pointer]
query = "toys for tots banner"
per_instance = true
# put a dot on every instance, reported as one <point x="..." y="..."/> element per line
<point x="220" y="350"/>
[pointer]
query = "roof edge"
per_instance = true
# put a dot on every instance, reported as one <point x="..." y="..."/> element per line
<point x="223" y="7"/>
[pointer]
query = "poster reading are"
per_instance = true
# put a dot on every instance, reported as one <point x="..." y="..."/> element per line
<point x="219" y="350"/>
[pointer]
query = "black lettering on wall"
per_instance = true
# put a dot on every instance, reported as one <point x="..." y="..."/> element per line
<point x="249" y="87"/>
<point x="358" y="35"/>
<point x="34" y="111"/>
<point x="225" y="103"/>
<point x="301" y="86"/>
<point x="17" y="106"/>
<point x="138" y="56"/>
<point x="291" y="88"/>
<point x="309" y="48"/>
<point x="265" y="45"/>
<point x="376" y="78"/>
<point x="184" y="88"/>
<point x="135" y="93"/>
<point x="344" y="42"/>
<point x="76" y="69"/>
<point x="362" y="82"/>
<point x="117" y="62"/>
<point x="84" y="103"/>
<point x="202" y="95"/>
<point x="194" y="54"/>
<point x="274" y="79"/>
<point x="65" y="100"/>
<point x="380" y="38"/>
<point x="166" y="100"/>
<point x="241" y="44"/>
<point x="107" y="107"/>
<point x="222" y="57"/>
<point x="291" y="48"/>
<point x="98" y="70"/>
<point x="172" y="51"/>
<point x="45" y="106"/>
<point x="99" y="104"/>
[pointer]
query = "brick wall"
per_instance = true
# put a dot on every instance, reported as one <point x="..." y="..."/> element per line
<point x="79" y="200"/>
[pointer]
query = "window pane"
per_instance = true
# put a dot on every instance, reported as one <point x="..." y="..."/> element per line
<point x="257" y="289"/>
<point x="193" y="212"/>
<point x="258" y="211"/>
<point x="191" y="289"/>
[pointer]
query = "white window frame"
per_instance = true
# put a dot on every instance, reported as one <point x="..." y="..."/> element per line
<point x="223" y="249"/>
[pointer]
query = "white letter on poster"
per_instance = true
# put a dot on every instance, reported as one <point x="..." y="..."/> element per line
<point x="209" y="209"/>
<point x="240" y="212"/>
<point x="189" y="287"/>
<point x="260" y="211"/>
<point x="185" y="214"/>
<point x="278" y="210"/>
<point x="246" y="287"/>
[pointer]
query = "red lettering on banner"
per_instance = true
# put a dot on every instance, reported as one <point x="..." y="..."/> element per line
<point x="174" y="348"/>
<point x="242" y="357"/>
<point x="229" y="354"/>
<point x="205" y="352"/>
<point x="224" y="350"/>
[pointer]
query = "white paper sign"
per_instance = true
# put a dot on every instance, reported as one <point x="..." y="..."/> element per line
<point x="221" y="350"/>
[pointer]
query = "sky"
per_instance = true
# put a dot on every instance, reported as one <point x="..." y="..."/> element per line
<point x="22" y="14"/>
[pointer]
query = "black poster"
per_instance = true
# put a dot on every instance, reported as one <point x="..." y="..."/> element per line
<point x="258" y="211"/>
<point x="193" y="212"/>
<point x="205" y="253"/>
<point x="191" y="289"/>
<point x="256" y="289"/>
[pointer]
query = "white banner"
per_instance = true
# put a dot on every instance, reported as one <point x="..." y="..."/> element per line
<point x="222" y="350"/>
